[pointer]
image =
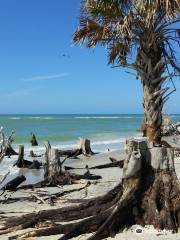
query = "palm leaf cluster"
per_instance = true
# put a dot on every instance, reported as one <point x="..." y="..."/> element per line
<point x="124" y="26"/>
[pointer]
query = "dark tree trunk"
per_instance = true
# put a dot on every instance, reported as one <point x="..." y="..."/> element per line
<point x="34" y="140"/>
<point x="13" y="184"/>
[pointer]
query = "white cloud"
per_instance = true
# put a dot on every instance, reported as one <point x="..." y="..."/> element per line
<point x="19" y="93"/>
<point x="47" y="77"/>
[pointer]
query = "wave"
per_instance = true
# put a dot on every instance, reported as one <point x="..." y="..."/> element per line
<point x="14" y="118"/>
<point x="115" y="117"/>
<point x="41" y="118"/>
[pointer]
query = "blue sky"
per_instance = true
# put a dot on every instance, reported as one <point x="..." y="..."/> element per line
<point x="36" y="77"/>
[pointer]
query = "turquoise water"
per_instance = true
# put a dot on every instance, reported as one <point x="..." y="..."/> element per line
<point x="64" y="130"/>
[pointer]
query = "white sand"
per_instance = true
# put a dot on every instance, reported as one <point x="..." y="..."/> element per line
<point x="111" y="177"/>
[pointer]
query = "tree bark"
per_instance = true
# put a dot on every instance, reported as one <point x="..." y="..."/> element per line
<point x="150" y="67"/>
<point x="85" y="146"/>
<point x="153" y="112"/>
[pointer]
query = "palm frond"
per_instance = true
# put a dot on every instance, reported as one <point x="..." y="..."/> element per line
<point x="171" y="8"/>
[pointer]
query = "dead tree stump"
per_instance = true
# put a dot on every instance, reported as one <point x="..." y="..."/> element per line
<point x="5" y="147"/>
<point x="54" y="173"/>
<point x="21" y="163"/>
<point x="33" y="140"/>
<point x="85" y="146"/>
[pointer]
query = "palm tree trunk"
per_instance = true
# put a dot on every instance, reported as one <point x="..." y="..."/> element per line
<point x="150" y="69"/>
<point x="153" y="114"/>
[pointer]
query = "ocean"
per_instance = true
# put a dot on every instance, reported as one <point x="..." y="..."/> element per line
<point x="106" y="131"/>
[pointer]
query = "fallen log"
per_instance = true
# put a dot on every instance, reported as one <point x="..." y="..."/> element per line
<point x="110" y="165"/>
<point x="107" y="165"/>
<point x="13" y="184"/>
<point x="86" y="176"/>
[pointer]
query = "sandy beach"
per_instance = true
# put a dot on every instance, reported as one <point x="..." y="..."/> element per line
<point x="110" y="178"/>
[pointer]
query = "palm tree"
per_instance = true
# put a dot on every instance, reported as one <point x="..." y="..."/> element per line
<point x="139" y="28"/>
<point x="141" y="35"/>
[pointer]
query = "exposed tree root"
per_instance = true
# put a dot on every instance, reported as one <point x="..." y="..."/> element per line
<point x="70" y="230"/>
<point x="107" y="165"/>
<point x="90" y="207"/>
<point x="52" y="197"/>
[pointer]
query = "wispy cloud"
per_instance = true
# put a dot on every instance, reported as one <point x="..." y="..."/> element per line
<point x="47" y="77"/>
<point x="19" y="93"/>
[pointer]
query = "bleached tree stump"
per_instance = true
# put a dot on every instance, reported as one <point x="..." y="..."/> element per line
<point x="85" y="146"/>
<point x="6" y="148"/>
<point x="53" y="172"/>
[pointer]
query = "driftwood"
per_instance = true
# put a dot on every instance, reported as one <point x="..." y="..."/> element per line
<point x="54" y="172"/>
<point x="43" y="198"/>
<point x="6" y="148"/>
<point x="32" y="154"/>
<point x="84" y="148"/>
<point x="70" y="153"/>
<point x="22" y="163"/>
<point x="13" y="184"/>
<point x="148" y="195"/>
<point x="33" y="140"/>
<point x="170" y="129"/>
<point x="53" y="197"/>
<point x="110" y="165"/>
<point x="107" y="165"/>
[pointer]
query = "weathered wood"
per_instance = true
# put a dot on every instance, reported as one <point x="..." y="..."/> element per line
<point x="13" y="184"/>
<point x="70" y="153"/>
<point x="32" y="154"/>
<point x="22" y="163"/>
<point x="109" y="165"/>
<point x="54" y="173"/>
<point x="162" y="158"/>
<point x="33" y="140"/>
<point x="47" y="159"/>
<point x="55" y="167"/>
<point x="21" y="152"/>
<point x="149" y="195"/>
<point x="85" y="146"/>
<point x="6" y="148"/>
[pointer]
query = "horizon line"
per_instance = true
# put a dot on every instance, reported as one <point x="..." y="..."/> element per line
<point x="82" y="114"/>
